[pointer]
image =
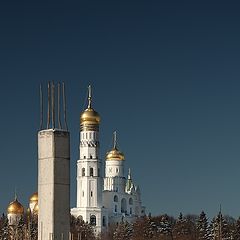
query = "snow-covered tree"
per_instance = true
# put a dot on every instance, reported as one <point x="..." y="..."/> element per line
<point x="144" y="228"/>
<point x="202" y="227"/>
<point x="123" y="231"/>
<point x="219" y="229"/>
<point x="236" y="233"/>
<point x="185" y="228"/>
<point x="81" y="230"/>
<point x="33" y="227"/>
<point x="4" y="231"/>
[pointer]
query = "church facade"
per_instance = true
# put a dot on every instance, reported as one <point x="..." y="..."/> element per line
<point x="103" y="199"/>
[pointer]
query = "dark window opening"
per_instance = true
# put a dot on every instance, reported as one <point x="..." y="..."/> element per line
<point x="115" y="199"/>
<point x="104" y="221"/>
<point x="93" y="220"/>
<point x="91" y="172"/>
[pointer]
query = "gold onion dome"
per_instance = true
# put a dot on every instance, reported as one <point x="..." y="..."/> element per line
<point x="34" y="198"/>
<point x="89" y="116"/>
<point x="115" y="154"/>
<point x="15" y="207"/>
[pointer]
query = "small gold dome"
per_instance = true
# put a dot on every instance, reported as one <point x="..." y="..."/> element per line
<point x="15" y="207"/>
<point x="34" y="198"/>
<point x="115" y="154"/>
<point x="89" y="116"/>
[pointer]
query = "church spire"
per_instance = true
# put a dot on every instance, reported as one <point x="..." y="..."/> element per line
<point x="89" y="96"/>
<point x="115" y="140"/>
<point x="15" y="194"/>
<point x="129" y="174"/>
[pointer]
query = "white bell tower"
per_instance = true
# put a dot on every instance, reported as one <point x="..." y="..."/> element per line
<point x="89" y="178"/>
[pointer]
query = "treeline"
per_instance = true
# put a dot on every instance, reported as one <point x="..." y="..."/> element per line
<point x="163" y="227"/>
<point x="189" y="227"/>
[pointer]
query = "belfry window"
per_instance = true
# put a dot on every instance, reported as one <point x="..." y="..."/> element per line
<point x="93" y="220"/>
<point x="83" y="172"/>
<point x="91" y="172"/>
<point x="115" y="199"/>
<point x="123" y="205"/>
<point x="104" y="221"/>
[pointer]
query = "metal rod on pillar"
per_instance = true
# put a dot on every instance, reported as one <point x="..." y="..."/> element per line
<point x="53" y="106"/>
<point x="64" y="106"/>
<point x="48" y="114"/>
<point x="41" y="108"/>
<point x="59" y="115"/>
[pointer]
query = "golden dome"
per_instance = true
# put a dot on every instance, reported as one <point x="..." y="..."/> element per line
<point x="34" y="198"/>
<point x="115" y="154"/>
<point x="89" y="117"/>
<point x="15" y="207"/>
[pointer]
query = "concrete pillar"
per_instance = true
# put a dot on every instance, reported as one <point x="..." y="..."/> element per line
<point x="53" y="184"/>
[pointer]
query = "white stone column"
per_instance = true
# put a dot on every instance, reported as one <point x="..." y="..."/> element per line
<point x="53" y="184"/>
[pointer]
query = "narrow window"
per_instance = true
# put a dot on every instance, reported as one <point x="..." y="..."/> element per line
<point x="91" y="194"/>
<point x="115" y="209"/>
<point x="130" y="210"/>
<point x="83" y="172"/>
<point x="115" y="199"/>
<point x="90" y="156"/>
<point x="83" y="193"/>
<point x="93" y="220"/>
<point x="91" y="172"/>
<point x="104" y="221"/>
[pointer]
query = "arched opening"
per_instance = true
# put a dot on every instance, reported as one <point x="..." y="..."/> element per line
<point x="130" y="201"/>
<point x="115" y="199"/>
<point x="91" y="172"/>
<point x="83" y="172"/>
<point x="79" y="219"/>
<point x="93" y="220"/>
<point x="123" y="206"/>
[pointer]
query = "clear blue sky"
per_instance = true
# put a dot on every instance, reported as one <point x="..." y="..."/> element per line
<point x="165" y="74"/>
